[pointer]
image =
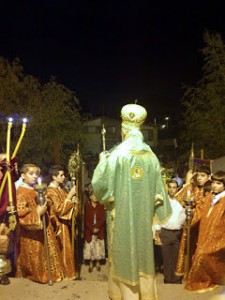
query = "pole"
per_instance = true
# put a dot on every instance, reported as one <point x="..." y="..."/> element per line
<point x="189" y="201"/>
<point x="103" y="137"/>
<point x="74" y="167"/>
<point x="40" y="189"/>
<point x="73" y="183"/>
<point x="191" y="160"/>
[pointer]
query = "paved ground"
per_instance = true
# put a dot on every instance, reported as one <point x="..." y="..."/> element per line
<point x="93" y="286"/>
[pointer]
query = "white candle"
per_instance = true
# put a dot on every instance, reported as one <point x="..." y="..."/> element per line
<point x="21" y="137"/>
<point x="188" y="195"/>
<point x="10" y="122"/>
<point x="39" y="182"/>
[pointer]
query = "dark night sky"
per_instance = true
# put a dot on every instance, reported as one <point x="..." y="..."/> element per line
<point x="112" y="52"/>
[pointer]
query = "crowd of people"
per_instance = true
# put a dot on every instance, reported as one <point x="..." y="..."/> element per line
<point x="51" y="259"/>
<point x="127" y="193"/>
<point x="204" y="269"/>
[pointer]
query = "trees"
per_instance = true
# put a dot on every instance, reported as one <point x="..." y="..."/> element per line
<point x="53" y="111"/>
<point x="204" y="104"/>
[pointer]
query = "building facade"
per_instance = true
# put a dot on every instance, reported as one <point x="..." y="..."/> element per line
<point x="94" y="139"/>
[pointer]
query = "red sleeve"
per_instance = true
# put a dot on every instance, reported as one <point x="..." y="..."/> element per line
<point x="88" y="223"/>
<point x="101" y="221"/>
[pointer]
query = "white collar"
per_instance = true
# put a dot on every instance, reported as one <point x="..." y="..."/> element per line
<point x="52" y="184"/>
<point x="26" y="185"/>
<point x="217" y="197"/>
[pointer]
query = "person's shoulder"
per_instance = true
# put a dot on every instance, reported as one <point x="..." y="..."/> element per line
<point x="177" y="203"/>
<point x="51" y="187"/>
<point x="22" y="190"/>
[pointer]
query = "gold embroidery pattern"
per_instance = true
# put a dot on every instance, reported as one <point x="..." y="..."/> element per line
<point x="143" y="152"/>
<point x="136" y="173"/>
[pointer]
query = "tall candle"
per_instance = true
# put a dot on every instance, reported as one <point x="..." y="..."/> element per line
<point x="8" y="139"/>
<point x="8" y="175"/>
<point x="10" y="121"/>
<point x="21" y="137"/>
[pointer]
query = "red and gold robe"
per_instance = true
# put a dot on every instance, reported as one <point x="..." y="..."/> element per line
<point x="199" y="198"/>
<point x="208" y="264"/>
<point x="32" y="260"/>
<point x="63" y="209"/>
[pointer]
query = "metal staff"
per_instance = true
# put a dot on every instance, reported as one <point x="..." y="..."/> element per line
<point x="40" y="188"/>
<point x="73" y="167"/>
<point x="103" y="137"/>
<point x="189" y="202"/>
<point x="191" y="160"/>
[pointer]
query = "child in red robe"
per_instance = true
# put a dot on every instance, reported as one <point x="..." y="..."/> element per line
<point x="32" y="262"/>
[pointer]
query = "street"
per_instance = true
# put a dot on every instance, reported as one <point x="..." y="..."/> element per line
<point x="93" y="286"/>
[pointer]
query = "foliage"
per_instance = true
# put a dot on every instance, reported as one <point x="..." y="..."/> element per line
<point x="54" y="126"/>
<point x="204" y="104"/>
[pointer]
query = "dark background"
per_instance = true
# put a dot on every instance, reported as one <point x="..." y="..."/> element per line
<point x="112" y="52"/>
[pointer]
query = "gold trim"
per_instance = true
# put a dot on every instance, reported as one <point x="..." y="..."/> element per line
<point x="133" y="283"/>
<point x="179" y="274"/>
<point x="201" y="291"/>
<point x="142" y="152"/>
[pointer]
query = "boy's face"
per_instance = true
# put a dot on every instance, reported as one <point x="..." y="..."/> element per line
<point x="172" y="189"/>
<point x="217" y="186"/>
<point x="59" y="178"/>
<point x="202" y="178"/>
<point x="31" y="176"/>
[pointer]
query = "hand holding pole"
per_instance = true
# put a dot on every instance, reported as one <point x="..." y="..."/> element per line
<point x="41" y="188"/>
<point x="189" y="201"/>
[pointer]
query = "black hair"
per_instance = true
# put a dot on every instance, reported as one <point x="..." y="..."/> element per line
<point x="203" y="169"/>
<point x="219" y="176"/>
<point x="172" y="181"/>
<point x="54" y="170"/>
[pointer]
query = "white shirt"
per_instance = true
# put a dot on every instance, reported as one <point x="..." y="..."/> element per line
<point x="177" y="219"/>
<point x="217" y="197"/>
<point x="18" y="183"/>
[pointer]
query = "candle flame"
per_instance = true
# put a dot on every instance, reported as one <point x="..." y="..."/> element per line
<point x="25" y="120"/>
<point x="10" y="120"/>
<point x="188" y="194"/>
<point x="39" y="182"/>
